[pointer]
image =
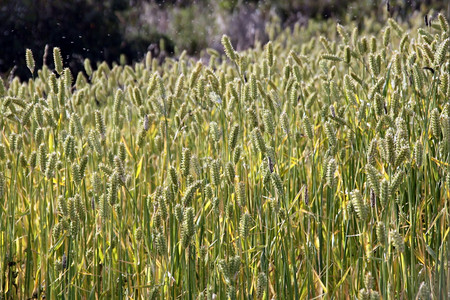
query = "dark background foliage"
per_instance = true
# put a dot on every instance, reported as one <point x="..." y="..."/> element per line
<point x="103" y="30"/>
<point x="81" y="28"/>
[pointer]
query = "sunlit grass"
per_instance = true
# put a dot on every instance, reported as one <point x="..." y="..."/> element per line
<point x="316" y="166"/>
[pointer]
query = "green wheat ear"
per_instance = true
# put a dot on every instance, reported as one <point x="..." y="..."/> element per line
<point x="229" y="51"/>
<point x="330" y="173"/>
<point x="441" y="53"/>
<point x="214" y="132"/>
<point x="57" y="58"/>
<point x="190" y="193"/>
<point x="76" y="174"/>
<point x="374" y="179"/>
<point x="80" y="207"/>
<point x="395" y="182"/>
<point x="278" y="184"/>
<point x="185" y="162"/>
<point x="187" y="229"/>
<point x="343" y="33"/>
<point x="234" y="135"/>
<point x="361" y="208"/>
<point x="29" y="60"/>
<point x="261" y="285"/>
<point x="68" y="78"/>
<point x="386" y="36"/>
<point x="32" y="160"/>
<point x="347" y="55"/>
<point x="230" y="172"/>
<point x="381" y="233"/>
<point x="285" y="123"/>
<point x="138" y="234"/>
<point x="100" y="124"/>
<point x="161" y="244"/>
<point x="269" y="54"/>
<point x="237" y="154"/>
<point x="258" y="140"/>
<point x="215" y="172"/>
<point x="397" y="241"/>
<point x="87" y="67"/>
<point x="240" y="194"/>
<point x="244" y="225"/>
<point x="51" y="165"/>
<point x="443" y="23"/>
<point x="331" y="135"/>
<point x="418" y="153"/>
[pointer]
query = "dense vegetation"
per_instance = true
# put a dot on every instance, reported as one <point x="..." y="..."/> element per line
<point x="316" y="165"/>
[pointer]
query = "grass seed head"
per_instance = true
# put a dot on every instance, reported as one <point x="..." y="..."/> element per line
<point x="229" y="51"/>
<point x="57" y="58"/>
<point x="441" y="53"/>
<point x="178" y="211"/>
<point x="237" y="154"/>
<point x="240" y="194"/>
<point x="234" y="135"/>
<point x="381" y="233"/>
<point x="397" y="241"/>
<point x="187" y="230"/>
<point x="100" y="124"/>
<point x="215" y="172"/>
<point x="190" y="193"/>
<point x="51" y="165"/>
<point x="32" y="160"/>
<point x="244" y="225"/>
<point x="285" y="123"/>
<point x="331" y="171"/>
<point x="29" y="60"/>
<point x="216" y="205"/>
<point x="277" y="184"/>
<point x="443" y="22"/>
<point x="185" y="162"/>
<point x="261" y="285"/>
<point x="138" y="234"/>
<point x="395" y="182"/>
<point x="361" y="208"/>
<point x="269" y="54"/>
<point x="162" y="206"/>
<point x="258" y="140"/>
<point x="230" y="171"/>
<point x="161" y="244"/>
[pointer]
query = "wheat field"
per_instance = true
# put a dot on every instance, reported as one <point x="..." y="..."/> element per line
<point x="314" y="166"/>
